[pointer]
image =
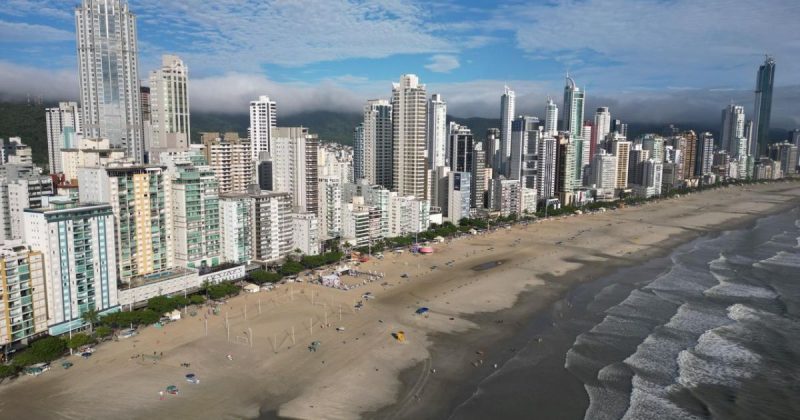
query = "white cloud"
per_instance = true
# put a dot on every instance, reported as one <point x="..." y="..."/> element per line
<point x="25" y="32"/>
<point x="19" y="82"/>
<point x="441" y="63"/>
<point x="291" y="33"/>
<point x="655" y="42"/>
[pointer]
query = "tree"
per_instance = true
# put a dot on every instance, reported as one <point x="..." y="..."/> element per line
<point x="161" y="304"/>
<point x="7" y="371"/>
<point x="290" y="268"/>
<point x="102" y="331"/>
<point x="261" y="277"/>
<point x="197" y="299"/>
<point x="44" y="350"/>
<point x="91" y="317"/>
<point x="79" y="340"/>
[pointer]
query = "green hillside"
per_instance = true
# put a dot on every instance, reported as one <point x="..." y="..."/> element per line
<point x="25" y="121"/>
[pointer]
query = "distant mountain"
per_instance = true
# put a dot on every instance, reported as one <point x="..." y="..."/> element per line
<point x="28" y="121"/>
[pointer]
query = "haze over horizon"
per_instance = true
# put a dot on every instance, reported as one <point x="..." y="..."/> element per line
<point x="650" y="61"/>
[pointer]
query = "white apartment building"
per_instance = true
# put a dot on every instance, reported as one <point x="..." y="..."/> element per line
<point x="459" y="195"/>
<point x="305" y="233"/>
<point x="507" y="102"/>
<point x="437" y="131"/>
<point x="409" y="127"/>
<point x="62" y="122"/>
<point x="263" y="118"/>
<point x="604" y="171"/>
<point x="88" y="152"/>
<point x="80" y="270"/>
<point x="551" y="118"/>
<point x="330" y="207"/>
<point x="377" y="143"/>
<point x="271" y="225"/>
<point x="361" y="223"/>
<point x="236" y="222"/>
<point x="295" y="166"/>
<point x="229" y="158"/>
<point x="169" y="106"/>
<point x="506" y="196"/>
<point x="22" y="295"/>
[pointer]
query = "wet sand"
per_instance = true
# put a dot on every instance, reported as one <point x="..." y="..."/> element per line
<point x="358" y="372"/>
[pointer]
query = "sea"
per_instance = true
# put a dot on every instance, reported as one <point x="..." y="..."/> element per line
<point x="711" y="330"/>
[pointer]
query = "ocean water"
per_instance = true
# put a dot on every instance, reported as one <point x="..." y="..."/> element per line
<point x="711" y="331"/>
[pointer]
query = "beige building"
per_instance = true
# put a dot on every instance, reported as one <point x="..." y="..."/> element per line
<point x="169" y="107"/>
<point x="229" y="158"/>
<point x="409" y="133"/>
<point x="621" y="149"/>
<point x="23" y="305"/>
<point x="89" y="152"/>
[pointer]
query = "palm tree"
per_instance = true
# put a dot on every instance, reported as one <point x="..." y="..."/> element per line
<point x="91" y="317"/>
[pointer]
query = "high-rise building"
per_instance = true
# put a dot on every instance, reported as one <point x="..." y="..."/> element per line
<point x="361" y="222"/>
<point x="460" y="146"/>
<point x="651" y="181"/>
<point x="305" y="233"/>
<point x="551" y="118"/>
<point x="271" y="233"/>
<point x="524" y="135"/>
<point x="689" y="154"/>
<point x="573" y="108"/>
<point x="732" y="127"/>
<point x="621" y="149"/>
<point x="493" y="150"/>
<point x="505" y="196"/>
<point x="705" y="154"/>
<point x="359" y="153"/>
<point x="195" y="210"/>
<point x="63" y="122"/>
<point x="377" y="132"/>
<point x="236" y="221"/>
<point x="263" y="118"/>
<point x="566" y="177"/>
<point x="169" y="106"/>
<point x="637" y="156"/>
<point x="409" y="127"/>
<point x="458" y="195"/>
<point x="109" y="74"/>
<point x="88" y="152"/>
<point x="140" y="201"/>
<point x="22" y="295"/>
<point x="604" y="171"/>
<point x="295" y="166"/>
<point x="763" y="108"/>
<point x="21" y="187"/>
<point x="80" y="270"/>
<point x="655" y="144"/>
<point x="785" y="153"/>
<point x="229" y="158"/>
<point x="437" y="131"/>
<point x="602" y="125"/>
<point x="506" y="117"/>
<point x="330" y="207"/>
<point x="547" y="167"/>
<point x="478" y="177"/>
<point x="794" y="137"/>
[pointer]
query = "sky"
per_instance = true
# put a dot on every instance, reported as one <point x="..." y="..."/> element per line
<point x="649" y="60"/>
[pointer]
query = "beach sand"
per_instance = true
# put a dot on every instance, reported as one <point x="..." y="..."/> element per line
<point x="357" y="372"/>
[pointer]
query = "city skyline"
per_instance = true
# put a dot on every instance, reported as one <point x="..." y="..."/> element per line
<point x="438" y="43"/>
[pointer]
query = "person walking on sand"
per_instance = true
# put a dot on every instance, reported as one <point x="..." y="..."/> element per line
<point x="161" y="395"/>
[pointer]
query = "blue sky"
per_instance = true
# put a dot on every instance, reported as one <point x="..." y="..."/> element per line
<point x="334" y="54"/>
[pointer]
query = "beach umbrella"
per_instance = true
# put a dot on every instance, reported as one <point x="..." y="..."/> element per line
<point x="422" y="310"/>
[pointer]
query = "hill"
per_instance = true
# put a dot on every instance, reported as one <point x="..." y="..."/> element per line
<point x="28" y="121"/>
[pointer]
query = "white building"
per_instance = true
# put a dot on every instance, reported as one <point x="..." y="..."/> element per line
<point x="109" y="74"/>
<point x="407" y="215"/>
<point x="573" y="108"/>
<point x="377" y="143"/>
<point x="437" y="131"/>
<point x="603" y="174"/>
<point x="361" y="223"/>
<point x="63" y="122"/>
<point x="80" y="270"/>
<point x="305" y="233"/>
<point x="458" y="196"/>
<point x="507" y="103"/>
<point x="551" y="118"/>
<point x="602" y="125"/>
<point x="169" y="106"/>
<point x="547" y="166"/>
<point x="505" y="196"/>
<point x="295" y="166"/>
<point x="409" y="127"/>
<point x="88" y="152"/>
<point x="21" y="187"/>
<point x="271" y="225"/>
<point x="236" y="223"/>
<point x="330" y="207"/>
<point x="651" y="179"/>
<point x="528" y="199"/>
<point x="263" y="117"/>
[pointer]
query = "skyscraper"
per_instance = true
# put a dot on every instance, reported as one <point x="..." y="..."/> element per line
<point x="437" y="131"/>
<point x="295" y="169"/>
<point x="359" y="153"/>
<point x="377" y="132"/>
<point x="263" y="117"/>
<point x="763" y="108"/>
<point x="602" y="125"/>
<point x="573" y="108"/>
<point x="550" y="118"/>
<point x="732" y="127"/>
<point x="705" y="154"/>
<point x="478" y="178"/>
<point x="169" y="106"/>
<point x="109" y="82"/>
<point x="409" y="126"/>
<point x="461" y="146"/>
<point x="62" y="124"/>
<point x="506" y="117"/>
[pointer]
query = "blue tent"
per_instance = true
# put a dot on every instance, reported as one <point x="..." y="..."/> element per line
<point x="422" y="310"/>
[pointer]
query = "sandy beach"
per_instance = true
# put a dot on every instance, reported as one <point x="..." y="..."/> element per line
<point x="356" y="372"/>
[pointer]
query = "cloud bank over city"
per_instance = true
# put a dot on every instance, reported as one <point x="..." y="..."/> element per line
<point x="649" y="60"/>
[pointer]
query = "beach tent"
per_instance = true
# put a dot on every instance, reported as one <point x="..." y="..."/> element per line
<point x="422" y="310"/>
<point x="174" y="315"/>
<point x="251" y="288"/>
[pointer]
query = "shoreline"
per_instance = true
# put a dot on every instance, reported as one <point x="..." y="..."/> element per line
<point x="535" y="314"/>
<point x="363" y="371"/>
